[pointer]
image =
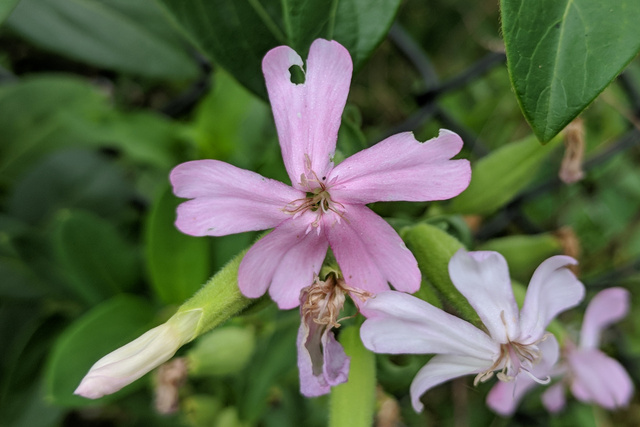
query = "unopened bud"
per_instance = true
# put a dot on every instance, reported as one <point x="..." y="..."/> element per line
<point x="130" y="362"/>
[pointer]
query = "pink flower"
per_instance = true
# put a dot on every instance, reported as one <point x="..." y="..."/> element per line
<point x="516" y="339"/>
<point x="592" y="376"/>
<point x="325" y="206"/>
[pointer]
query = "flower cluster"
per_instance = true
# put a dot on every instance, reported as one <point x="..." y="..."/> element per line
<point x="325" y="207"/>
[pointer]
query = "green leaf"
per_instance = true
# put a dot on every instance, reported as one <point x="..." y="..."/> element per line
<point x="100" y="331"/>
<point x="433" y="248"/>
<point x="352" y="404"/>
<point x="361" y="25"/>
<point x="70" y="179"/>
<point x="177" y="264"/>
<point x="98" y="261"/>
<point x="562" y="53"/>
<point x="33" y="124"/>
<point x="6" y="7"/>
<point x="129" y="36"/>
<point x="497" y="178"/>
<point x="220" y="29"/>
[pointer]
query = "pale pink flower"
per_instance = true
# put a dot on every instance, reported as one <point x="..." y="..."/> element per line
<point x="516" y="339"/>
<point x="592" y="376"/>
<point x="325" y="206"/>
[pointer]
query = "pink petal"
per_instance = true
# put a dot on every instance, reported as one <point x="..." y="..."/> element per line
<point x="286" y="260"/>
<point x="322" y="361"/>
<point x="607" y="307"/>
<point x="440" y="369"/>
<point x="400" y="323"/>
<point x="483" y="279"/>
<point x="505" y="397"/>
<point x="308" y="115"/>
<point x="401" y="168"/>
<point x="227" y="199"/>
<point x="552" y="290"/>
<point x="599" y="379"/>
<point x="553" y="398"/>
<point x="369" y="251"/>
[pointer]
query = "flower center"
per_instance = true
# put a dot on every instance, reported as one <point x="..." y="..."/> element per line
<point x="514" y="358"/>
<point x="317" y="200"/>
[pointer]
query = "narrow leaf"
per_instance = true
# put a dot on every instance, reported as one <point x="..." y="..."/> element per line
<point x="128" y="36"/>
<point x="497" y="178"/>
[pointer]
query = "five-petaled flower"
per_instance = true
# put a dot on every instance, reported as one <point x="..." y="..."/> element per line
<point x="516" y="339"/>
<point x="325" y="206"/>
<point x="592" y="376"/>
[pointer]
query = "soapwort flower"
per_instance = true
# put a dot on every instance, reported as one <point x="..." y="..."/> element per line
<point x="592" y="376"/>
<point x="325" y="206"/>
<point x="514" y="341"/>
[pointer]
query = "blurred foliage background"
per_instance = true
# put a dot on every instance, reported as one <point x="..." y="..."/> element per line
<point x="100" y="99"/>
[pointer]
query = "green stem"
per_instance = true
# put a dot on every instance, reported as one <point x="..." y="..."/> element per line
<point x="352" y="404"/>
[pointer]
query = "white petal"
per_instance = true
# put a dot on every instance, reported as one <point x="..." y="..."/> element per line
<point x="440" y="369"/>
<point x="483" y="279"/>
<point x="400" y="323"/>
<point x="552" y="290"/>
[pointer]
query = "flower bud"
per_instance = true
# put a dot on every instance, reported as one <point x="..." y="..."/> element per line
<point x="130" y="362"/>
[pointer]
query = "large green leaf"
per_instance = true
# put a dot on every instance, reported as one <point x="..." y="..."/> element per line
<point x="102" y="330"/>
<point x="562" y="53"/>
<point x="99" y="262"/>
<point x="501" y="175"/>
<point x="177" y="264"/>
<point x="129" y="36"/>
<point x="6" y="7"/>
<point x="237" y="34"/>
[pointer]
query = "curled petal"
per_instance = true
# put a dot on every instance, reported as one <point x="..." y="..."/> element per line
<point x="442" y="368"/>
<point x="401" y="168"/>
<point x="483" y="278"/>
<point x="607" y="307"/>
<point x="599" y="379"/>
<point x="400" y="323"/>
<point x="227" y="199"/>
<point x="308" y="115"/>
<point x="370" y="253"/>
<point x="552" y="290"/>
<point x="322" y="361"/>
<point x="553" y="398"/>
<point x="130" y="362"/>
<point x="285" y="261"/>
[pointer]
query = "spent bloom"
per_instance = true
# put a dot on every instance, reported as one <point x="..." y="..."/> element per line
<point x="325" y="205"/>
<point x="515" y="340"/>
<point x="591" y="375"/>
<point x="322" y="361"/>
<point x="130" y="362"/>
